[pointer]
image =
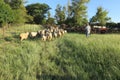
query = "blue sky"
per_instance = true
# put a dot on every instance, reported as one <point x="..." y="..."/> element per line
<point x="112" y="6"/>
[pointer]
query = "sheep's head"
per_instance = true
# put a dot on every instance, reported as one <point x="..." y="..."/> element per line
<point x="27" y="33"/>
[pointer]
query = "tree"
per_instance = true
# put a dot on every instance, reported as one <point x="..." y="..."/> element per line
<point x="20" y="15"/>
<point x="60" y="14"/>
<point x="69" y="16"/>
<point x="15" y="4"/>
<point x="79" y="12"/>
<point x="50" y="20"/>
<point x="93" y="19"/>
<point x="48" y="14"/>
<point x="6" y="15"/>
<point x="38" y="12"/>
<point x="69" y="10"/>
<point x="19" y="10"/>
<point x="100" y="17"/>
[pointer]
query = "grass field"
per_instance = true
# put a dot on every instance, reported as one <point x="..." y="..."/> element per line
<point x="71" y="57"/>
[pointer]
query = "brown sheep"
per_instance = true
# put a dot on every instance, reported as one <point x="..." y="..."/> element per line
<point x="24" y="36"/>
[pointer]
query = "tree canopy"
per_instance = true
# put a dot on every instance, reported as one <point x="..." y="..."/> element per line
<point x="79" y="11"/>
<point x="6" y="13"/>
<point x="15" y="4"/>
<point x="60" y="14"/>
<point x="38" y="12"/>
<point x="73" y="14"/>
<point x="100" y="17"/>
<point x="19" y="10"/>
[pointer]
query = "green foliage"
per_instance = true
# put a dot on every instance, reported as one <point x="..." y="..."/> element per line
<point x="93" y="19"/>
<point x="71" y="57"/>
<point x="6" y="13"/>
<point x="70" y="22"/>
<point x="50" y="21"/>
<point x="76" y="14"/>
<point x="100" y="17"/>
<point x="15" y="4"/>
<point x="68" y="10"/>
<point x="20" y="15"/>
<point x="37" y="11"/>
<point x="48" y="14"/>
<point x="29" y="19"/>
<point x="60" y="14"/>
<point x="79" y="12"/>
<point x="19" y="10"/>
<point x="111" y="25"/>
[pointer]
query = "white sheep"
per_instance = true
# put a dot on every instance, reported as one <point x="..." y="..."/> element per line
<point x="59" y="33"/>
<point x="44" y="38"/>
<point x="39" y="32"/>
<point x="55" y="34"/>
<point x="65" y="31"/>
<point x="24" y="36"/>
<point x="62" y="31"/>
<point x="33" y="34"/>
<point x="43" y="32"/>
<point x="49" y="35"/>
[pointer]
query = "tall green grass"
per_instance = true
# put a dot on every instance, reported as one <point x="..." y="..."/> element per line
<point x="71" y="57"/>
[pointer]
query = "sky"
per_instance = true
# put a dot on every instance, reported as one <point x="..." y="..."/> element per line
<point x="112" y="6"/>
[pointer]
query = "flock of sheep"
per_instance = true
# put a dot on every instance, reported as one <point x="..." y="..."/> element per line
<point x="46" y="34"/>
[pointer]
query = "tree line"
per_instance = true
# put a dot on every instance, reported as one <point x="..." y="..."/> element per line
<point x="74" y="13"/>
